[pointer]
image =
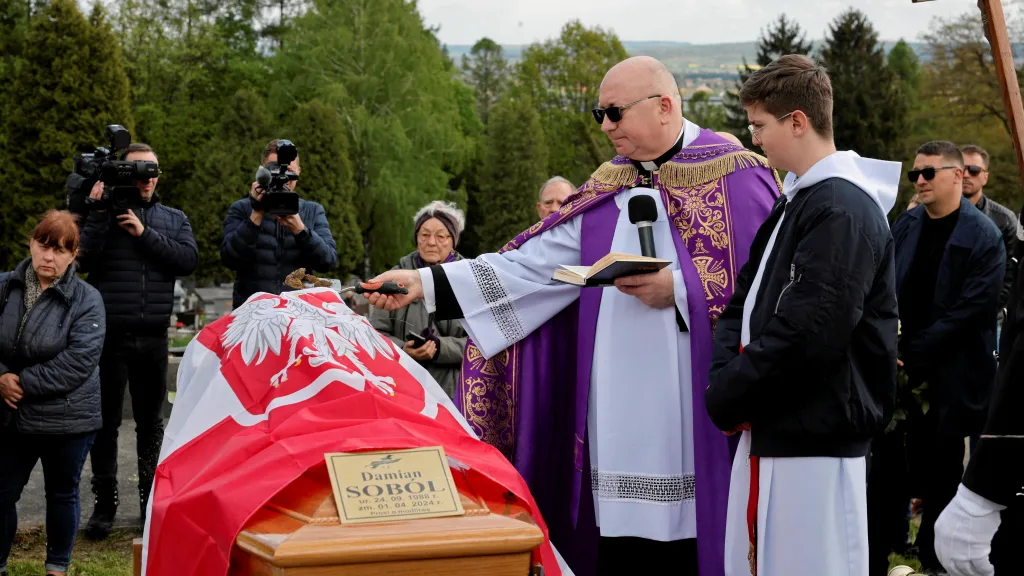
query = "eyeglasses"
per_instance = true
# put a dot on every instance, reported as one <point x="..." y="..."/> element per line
<point x="755" y="131"/>
<point x="928" y="173"/>
<point x="974" y="170"/>
<point x="614" y="113"/>
<point x="439" y="237"/>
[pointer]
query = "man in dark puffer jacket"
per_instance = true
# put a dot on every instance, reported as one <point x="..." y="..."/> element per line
<point x="262" y="251"/>
<point x="133" y="259"/>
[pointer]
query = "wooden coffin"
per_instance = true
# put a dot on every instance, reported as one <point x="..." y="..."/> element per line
<point x="298" y="533"/>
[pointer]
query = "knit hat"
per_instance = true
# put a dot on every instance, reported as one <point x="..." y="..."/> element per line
<point x="447" y="213"/>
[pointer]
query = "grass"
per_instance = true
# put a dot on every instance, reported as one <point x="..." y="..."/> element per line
<point x="180" y="341"/>
<point x="111" y="557"/>
<point x="897" y="560"/>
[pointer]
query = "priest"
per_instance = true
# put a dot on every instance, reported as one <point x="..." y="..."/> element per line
<point x="596" y="394"/>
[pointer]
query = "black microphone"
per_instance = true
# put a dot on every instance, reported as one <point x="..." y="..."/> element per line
<point x="643" y="212"/>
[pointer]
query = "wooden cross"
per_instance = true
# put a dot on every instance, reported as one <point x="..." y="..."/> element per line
<point x="1002" y="53"/>
<point x="995" y="31"/>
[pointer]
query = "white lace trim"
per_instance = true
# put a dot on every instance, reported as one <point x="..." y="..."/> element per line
<point x="496" y="298"/>
<point x="652" y="488"/>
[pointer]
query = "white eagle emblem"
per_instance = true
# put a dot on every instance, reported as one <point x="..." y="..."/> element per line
<point x="332" y="330"/>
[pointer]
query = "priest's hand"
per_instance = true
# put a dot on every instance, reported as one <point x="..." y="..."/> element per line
<point x="964" y="532"/>
<point x="655" y="290"/>
<point x="408" y="278"/>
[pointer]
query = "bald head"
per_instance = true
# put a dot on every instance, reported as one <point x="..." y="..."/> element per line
<point x="730" y="137"/>
<point x="646" y="73"/>
<point x="646" y="94"/>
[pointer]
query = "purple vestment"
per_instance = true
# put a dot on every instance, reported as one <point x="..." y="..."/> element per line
<point x="530" y="400"/>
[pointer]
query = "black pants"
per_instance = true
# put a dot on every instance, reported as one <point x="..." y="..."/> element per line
<point x="1006" y="546"/>
<point x="888" y="495"/>
<point x="140" y="362"/>
<point x="940" y="469"/>
<point x="627" y="555"/>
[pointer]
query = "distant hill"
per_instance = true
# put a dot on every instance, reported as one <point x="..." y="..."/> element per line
<point x="683" y="58"/>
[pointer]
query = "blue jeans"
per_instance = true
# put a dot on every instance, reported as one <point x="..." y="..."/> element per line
<point x="63" y="457"/>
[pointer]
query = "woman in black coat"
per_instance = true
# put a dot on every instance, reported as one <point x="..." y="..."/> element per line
<point x="51" y="334"/>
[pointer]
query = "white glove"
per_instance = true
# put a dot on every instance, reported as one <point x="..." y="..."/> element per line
<point x="963" y="534"/>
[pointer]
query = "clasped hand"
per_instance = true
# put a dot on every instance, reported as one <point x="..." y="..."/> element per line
<point x="10" y="389"/>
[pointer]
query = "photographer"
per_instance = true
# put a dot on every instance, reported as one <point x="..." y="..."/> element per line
<point x="263" y="250"/>
<point x="132" y="258"/>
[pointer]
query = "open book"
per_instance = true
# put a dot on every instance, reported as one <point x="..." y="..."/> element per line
<point x="607" y="269"/>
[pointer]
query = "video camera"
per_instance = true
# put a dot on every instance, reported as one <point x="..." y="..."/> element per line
<point x="278" y="198"/>
<point x="118" y="176"/>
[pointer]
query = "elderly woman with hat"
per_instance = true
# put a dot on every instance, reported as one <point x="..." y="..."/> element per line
<point x="437" y="345"/>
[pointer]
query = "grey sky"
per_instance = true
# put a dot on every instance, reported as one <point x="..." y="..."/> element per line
<point x="695" y="21"/>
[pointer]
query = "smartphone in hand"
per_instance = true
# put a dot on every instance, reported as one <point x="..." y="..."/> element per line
<point x="417" y="340"/>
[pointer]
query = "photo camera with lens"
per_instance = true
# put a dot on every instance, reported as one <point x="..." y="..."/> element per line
<point x="120" y="193"/>
<point x="278" y="199"/>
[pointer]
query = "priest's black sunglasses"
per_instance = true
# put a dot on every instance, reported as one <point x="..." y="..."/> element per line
<point x="928" y="173"/>
<point x="614" y="113"/>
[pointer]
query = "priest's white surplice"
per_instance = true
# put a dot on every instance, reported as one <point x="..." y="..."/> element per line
<point x="640" y="416"/>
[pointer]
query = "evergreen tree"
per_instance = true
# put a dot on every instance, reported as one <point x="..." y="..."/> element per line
<point x="226" y="167"/>
<point x="562" y="77"/>
<point x="904" y="63"/>
<point x="327" y="176"/>
<point x="384" y="72"/>
<point x="69" y="84"/>
<point x="14" y="18"/>
<point x="870" y="108"/>
<point x="703" y="113"/>
<point x="186" y="60"/>
<point x="486" y="71"/>
<point x="783" y="36"/>
<point x="464" y="184"/>
<point x="512" y="169"/>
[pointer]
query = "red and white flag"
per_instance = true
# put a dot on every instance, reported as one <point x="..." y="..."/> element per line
<point x="263" y="394"/>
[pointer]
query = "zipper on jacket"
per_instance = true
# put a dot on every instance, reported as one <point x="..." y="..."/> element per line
<point x="28" y="316"/>
<point x="142" y="312"/>
<point x="793" y="279"/>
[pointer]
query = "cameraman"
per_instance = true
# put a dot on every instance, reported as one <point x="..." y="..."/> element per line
<point x="263" y="251"/>
<point x="132" y="258"/>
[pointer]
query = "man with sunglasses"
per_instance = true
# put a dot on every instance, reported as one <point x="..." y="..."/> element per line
<point x="133" y="260"/>
<point x="596" y="394"/>
<point x="976" y="163"/>
<point x="950" y="262"/>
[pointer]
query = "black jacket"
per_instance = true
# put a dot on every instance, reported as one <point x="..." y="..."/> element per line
<point x="955" y="355"/>
<point x="1008" y="225"/>
<point x="136" y="276"/>
<point x="996" y="469"/>
<point x="56" y="355"/>
<point x="263" y="255"/>
<point x="819" y="375"/>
